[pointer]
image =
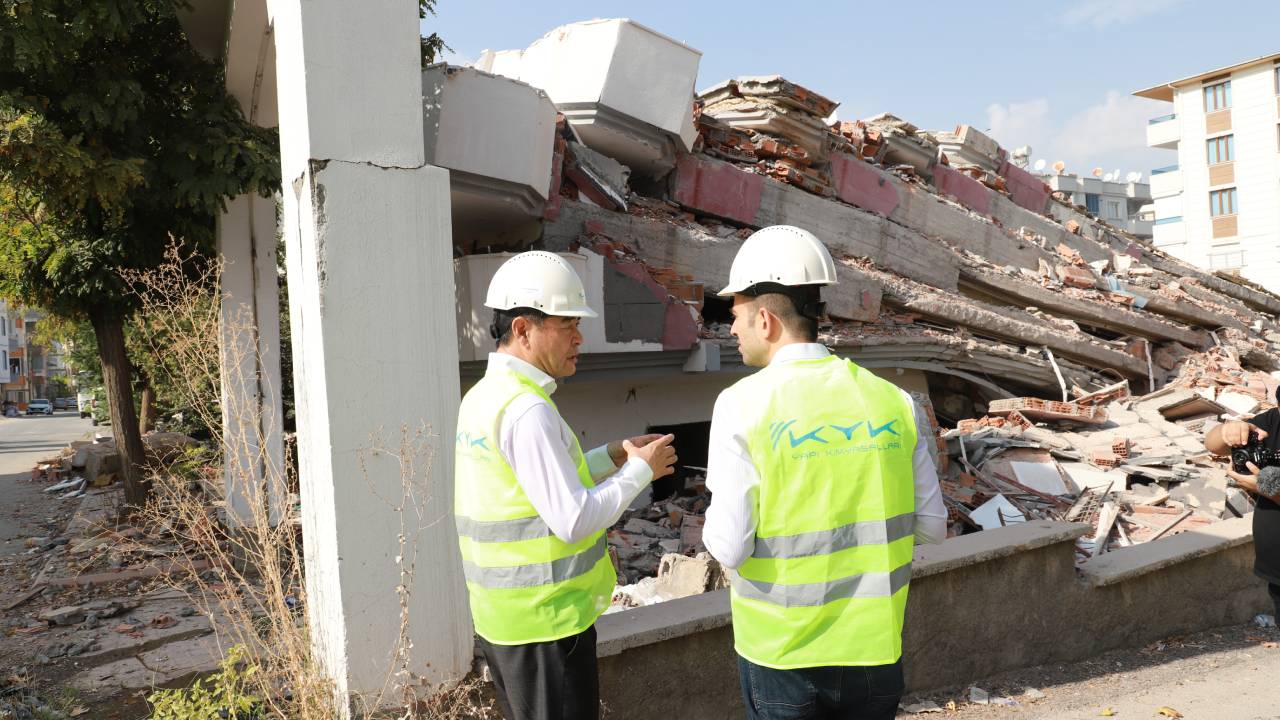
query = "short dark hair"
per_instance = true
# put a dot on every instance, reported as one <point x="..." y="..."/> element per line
<point x="798" y="307"/>
<point x="500" y="328"/>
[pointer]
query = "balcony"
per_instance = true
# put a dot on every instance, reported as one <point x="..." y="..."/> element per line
<point x="1142" y="227"/>
<point x="1163" y="132"/>
<point x="1166" y="182"/>
<point x="1169" y="231"/>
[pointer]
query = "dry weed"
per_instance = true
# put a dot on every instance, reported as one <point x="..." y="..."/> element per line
<point x="229" y="505"/>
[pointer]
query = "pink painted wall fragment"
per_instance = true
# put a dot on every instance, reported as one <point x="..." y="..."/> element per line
<point x="1027" y="190"/>
<point x="858" y="183"/>
<point x="971" y="193"/>
<point x="717" y="188"/>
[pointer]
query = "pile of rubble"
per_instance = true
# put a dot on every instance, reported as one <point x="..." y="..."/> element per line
<point x="776" y="126"/>
<point x="657" y="549"/>
<point x="1133" y="466"/>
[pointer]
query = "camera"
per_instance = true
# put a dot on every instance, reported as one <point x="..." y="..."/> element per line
<point x="1254" y="453"/>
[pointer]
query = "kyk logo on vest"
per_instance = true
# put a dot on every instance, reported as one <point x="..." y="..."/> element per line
<point x="832" y="439"/>
<point x="472" y="444"/>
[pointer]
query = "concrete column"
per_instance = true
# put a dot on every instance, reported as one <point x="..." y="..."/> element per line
<point x="367" y="233"/>
<point x="253" y="449"/>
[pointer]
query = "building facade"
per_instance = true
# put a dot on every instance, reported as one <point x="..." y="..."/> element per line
<point x="6" y="329"/>
<point x="1124" y="205"/>
<point x="1218" y="205"/>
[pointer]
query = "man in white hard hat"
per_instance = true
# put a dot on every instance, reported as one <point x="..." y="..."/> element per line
<point x="821" y="481"/>
<point x="531" y="508"/>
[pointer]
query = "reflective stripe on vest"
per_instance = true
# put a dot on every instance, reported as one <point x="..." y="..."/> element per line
<point x="826" y="542"/>
<point x="489" y="531"/>
<point x="864" y="585"/>
<point x="524" y="584"/>
<point x="827" y="581"/>
<point x="523" y="576"/>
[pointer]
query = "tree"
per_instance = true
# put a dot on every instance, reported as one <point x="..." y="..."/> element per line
<point x="432" y="45"/>
<point x="115" y="137"/>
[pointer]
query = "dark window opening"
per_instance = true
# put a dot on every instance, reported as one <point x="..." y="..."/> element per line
<point x="691" y="440"/>
<point x="717" y="310"/>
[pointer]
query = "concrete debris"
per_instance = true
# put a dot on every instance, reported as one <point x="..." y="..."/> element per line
<point x="1135" y="467"/>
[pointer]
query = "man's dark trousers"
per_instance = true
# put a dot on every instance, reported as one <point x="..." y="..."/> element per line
<point x="846" y="693"/>
<point x="554" y="680"/>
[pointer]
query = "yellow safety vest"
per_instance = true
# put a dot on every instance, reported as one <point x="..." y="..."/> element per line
<point x="525" y="584"/>
<point x="827" y="581"/>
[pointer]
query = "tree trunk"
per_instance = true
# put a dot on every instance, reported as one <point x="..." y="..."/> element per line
<point x="147" y="415"/>
<point x="109" y="327"/>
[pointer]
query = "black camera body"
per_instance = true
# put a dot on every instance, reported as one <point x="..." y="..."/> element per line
<point x="1254" y="453"/>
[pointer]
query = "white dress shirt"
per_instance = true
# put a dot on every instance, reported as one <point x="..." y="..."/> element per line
<point x="730" y="530"/>
<point x="536" y="442"/>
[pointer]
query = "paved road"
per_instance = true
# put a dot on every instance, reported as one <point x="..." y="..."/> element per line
<point x="24" y="441"/>
<point x="1223" y="674"/>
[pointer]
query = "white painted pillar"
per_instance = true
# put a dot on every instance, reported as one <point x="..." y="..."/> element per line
<point x="367" y="233"/>
<point x="253" y="449"/>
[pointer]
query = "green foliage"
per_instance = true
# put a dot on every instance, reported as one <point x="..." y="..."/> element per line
<point x="224" y="694"/>
<point x="114" y="135"/>
<point x="432" y="45"/>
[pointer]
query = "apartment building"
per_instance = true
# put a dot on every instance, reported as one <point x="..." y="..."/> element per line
<point x="6" y="330"/>
<point x="1125" y="205"/>
<point x="1218" y="206"/>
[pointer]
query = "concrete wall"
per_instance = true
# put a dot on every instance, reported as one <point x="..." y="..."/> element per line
<point x="979" y="605"/>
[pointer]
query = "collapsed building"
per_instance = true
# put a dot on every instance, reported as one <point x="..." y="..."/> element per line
<point x="1072" y="368"/>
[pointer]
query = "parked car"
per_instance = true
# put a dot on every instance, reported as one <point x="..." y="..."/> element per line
<point x="64" y="403"/>
<point x="40" y="406"/>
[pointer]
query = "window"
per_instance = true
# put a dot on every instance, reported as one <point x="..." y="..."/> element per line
<point x="1222" y="202"/>
<point x="1217" y="97"/>
<point x="1113" y="210"/>
<point x="1222" y="149"/>
<point x="1091" y="201"/>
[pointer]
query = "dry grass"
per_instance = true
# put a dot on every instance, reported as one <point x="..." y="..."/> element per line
<point x="256" y="588"/>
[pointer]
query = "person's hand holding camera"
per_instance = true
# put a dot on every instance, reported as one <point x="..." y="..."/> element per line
<point x="1236" y="433"/>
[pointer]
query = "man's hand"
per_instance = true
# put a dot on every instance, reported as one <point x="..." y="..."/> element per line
<point x="658" y="453"/>
<point x="618" y="454"/>
<point x="1236" y="433"/>
<point x="1247" y="481"/>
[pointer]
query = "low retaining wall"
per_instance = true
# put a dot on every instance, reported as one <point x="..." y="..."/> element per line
<point x="980" y="604"/>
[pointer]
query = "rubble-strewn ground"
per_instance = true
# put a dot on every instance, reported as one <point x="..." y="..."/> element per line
<point x="1223" y="674"/>
<point x="90" y="627"/>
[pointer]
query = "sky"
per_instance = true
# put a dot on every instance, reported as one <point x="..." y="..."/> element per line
<point x="1056" y="76"/>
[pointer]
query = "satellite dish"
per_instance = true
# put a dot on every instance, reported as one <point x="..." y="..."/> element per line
<point x="1040" y="165"/>
<point x="1059" y="166"/>
<point x="1133" y="177"/>
<point x="1097" y="172"/>
<point x="1116" y="174"/>
<point x="1108" y="177"/>
<point x="1137" y="177"/>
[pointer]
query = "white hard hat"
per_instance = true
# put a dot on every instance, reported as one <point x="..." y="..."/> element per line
<point x="782" y="254"/>
<point x="539" y="280"/>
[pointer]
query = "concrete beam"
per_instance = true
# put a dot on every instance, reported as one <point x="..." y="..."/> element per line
<point x="999" y="323"/>
<point x="689" y="249"/>
<point x="714" y="187"/>
<point x="1186" y="310"/>
<point x="1092" y="312"/>
<point x="367" y="230"/>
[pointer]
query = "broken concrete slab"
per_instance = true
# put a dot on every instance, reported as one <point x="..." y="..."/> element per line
<point x="626" y="89"/>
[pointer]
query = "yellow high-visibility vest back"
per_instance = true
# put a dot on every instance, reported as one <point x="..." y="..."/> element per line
<point x="827" y="581"/>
